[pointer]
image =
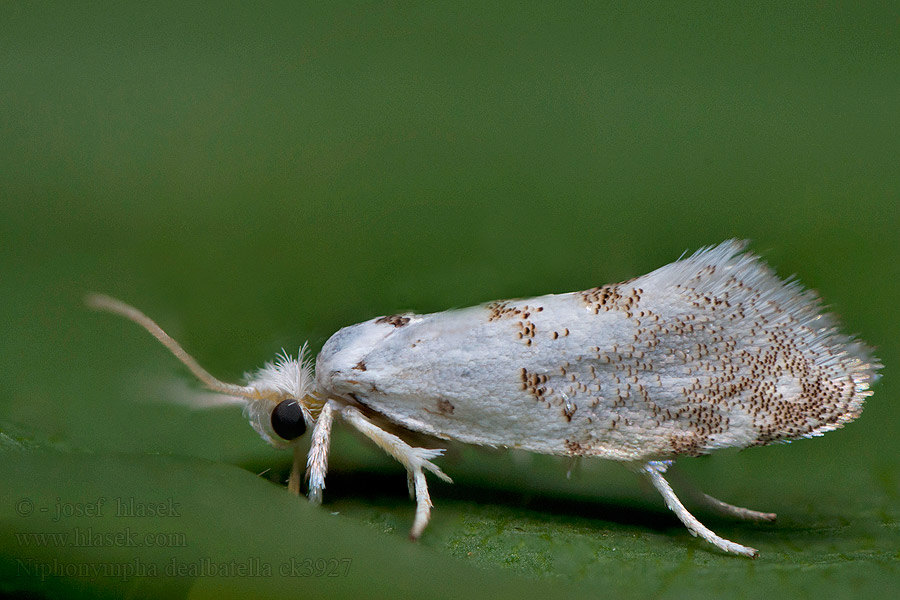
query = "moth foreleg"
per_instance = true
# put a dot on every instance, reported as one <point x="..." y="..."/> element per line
<point x="294" y="479"/>
<point x="317" y="459"/>
<point x="416" y="460"/>
<point x="654" y="471"/>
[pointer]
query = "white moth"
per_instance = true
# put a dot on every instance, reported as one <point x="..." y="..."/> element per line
<point x="711" y="351"/>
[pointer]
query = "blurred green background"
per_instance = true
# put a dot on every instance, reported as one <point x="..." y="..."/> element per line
<point x="254" y="175"/>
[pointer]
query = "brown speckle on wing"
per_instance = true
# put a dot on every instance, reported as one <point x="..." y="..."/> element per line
<point x="395" y="320"/>
<point x="723" y="354"/>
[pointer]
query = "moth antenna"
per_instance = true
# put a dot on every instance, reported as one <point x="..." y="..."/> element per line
<point x="109" y="304"/>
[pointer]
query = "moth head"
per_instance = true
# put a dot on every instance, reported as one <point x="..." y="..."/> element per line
<point x="280" y="398"/>
<point x="286" y="405"/>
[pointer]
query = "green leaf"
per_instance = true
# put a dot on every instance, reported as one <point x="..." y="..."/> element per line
<point x="98" y="525"/>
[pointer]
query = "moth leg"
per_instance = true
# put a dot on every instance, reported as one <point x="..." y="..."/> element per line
<point x="654" y="471"/>
<point x="317" y="459"/>
<point x="294" y="479"/>
<point x="723" y="507"/>
<point x="414" y="459"/>
<point x="736" y="511"/>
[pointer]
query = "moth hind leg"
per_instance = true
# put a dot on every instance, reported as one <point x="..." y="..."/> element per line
<point x="722" y="507"/>
<point x="416" y="461"/>
<point x="654" y="470"/>
<point x="739" y="512"/>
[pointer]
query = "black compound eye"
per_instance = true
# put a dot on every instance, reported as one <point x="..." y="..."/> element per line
<point x="287" y="420"/>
